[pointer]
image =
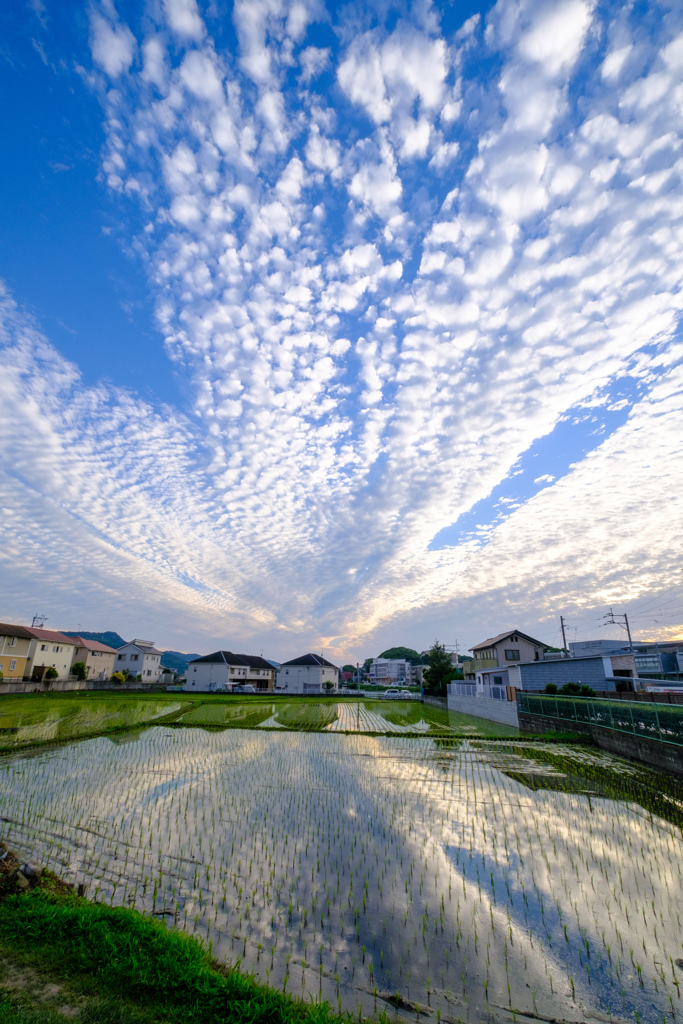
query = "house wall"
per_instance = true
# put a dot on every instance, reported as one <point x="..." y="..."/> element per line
<point x="13" y="652"/>
<point x="595" y="672"/>
<point x="139" y="663"/>
<point x="208" y="675"/>
<point x="306" y="678"/>
<point x="100" y="664"/>
<point x="45" y="653"/>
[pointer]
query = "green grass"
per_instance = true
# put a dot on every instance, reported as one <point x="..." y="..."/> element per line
<point x="117" y="958"/>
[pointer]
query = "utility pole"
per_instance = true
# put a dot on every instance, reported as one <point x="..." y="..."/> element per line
<point x="611" y="617"/>
<point x="564" y="638"/>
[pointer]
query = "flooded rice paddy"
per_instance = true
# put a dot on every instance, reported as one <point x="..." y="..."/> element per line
<point x="369" y="716"/>
<point x="478" y="881"/>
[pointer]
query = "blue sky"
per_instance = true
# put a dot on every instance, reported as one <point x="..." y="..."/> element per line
<point x="341" y="325"/>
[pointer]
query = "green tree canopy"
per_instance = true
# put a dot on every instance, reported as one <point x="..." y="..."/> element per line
<point x="367" y="663"/>
<point x="398" y="653"/>
<point x="348" y="668"/>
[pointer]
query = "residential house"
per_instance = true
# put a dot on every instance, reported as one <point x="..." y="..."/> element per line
<point x="15" y="642"/>
<point x="224" y="670"/>
<point x="493" y="658"/>
<point x="98" y="658"/>
<point x="602" y="672"/>
<point x="142" y="660"/>
<point x="311" y="673"/>
<point x="49" y="649"/>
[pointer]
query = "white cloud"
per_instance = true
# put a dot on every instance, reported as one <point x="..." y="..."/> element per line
<point x="349" y="407"/>
<point x="184" y="19"/>
<point x="112" y="44"/>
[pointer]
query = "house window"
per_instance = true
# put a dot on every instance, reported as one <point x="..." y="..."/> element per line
<point x="194" y="669"/>
<point x="121" y="657"/>
<point x="512" y="655"/>
<point x="43" y="647"/>
<point x="13" y="665"/>
<point x="55" y="649"/>
<point x="13" y="641"/>
<point x="514" y="639"/>
<point x="498" y="680"/>
<point x="134" y="657"/>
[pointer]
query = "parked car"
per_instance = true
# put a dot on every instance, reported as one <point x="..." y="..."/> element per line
<point x="243" y="688"/>
<point x="406" y="695"/>
<point x="393" y="693"/>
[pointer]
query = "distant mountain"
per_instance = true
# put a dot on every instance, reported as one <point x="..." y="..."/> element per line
<point x="177" y="661"/>
<point x="109" y="638"/>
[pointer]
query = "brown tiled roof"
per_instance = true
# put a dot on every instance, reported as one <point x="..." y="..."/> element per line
<point x="51" y="635"/>
<point x="93" y="645"/>
<point x="6" y="629"/>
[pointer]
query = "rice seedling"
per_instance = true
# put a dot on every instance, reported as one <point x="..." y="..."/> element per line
<point x="452" y="875"/>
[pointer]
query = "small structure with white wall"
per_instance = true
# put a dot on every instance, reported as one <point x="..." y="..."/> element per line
<point x="309" y="674"/>
<point x="141" y="658"/>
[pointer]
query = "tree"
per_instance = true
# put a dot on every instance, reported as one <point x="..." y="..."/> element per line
<point x="328" y="685"/>
<point x="51" y="673"/>
<point x="349" y="668"/>
<point x="367" y="663"/>
<point x="402" y="653"/>
<point x="80" y="670"/>
<point x="441" y="670"/>
<point x="118" y="677"/>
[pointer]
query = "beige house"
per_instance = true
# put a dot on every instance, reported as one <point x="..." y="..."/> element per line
<point x="98" y="658"/>
<point x="15" y="642"/>
<point x="495" y="656"/>
<point x="49" y="649"/>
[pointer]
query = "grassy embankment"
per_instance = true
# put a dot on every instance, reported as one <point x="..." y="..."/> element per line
<point x="62" y="957"/>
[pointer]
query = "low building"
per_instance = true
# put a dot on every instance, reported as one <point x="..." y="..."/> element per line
<point x="141" y="659"/>
<point x="602" y="672"/>
<point x="493" y="658"/>
<point x="49" y="649"/>
<point x="99" y="659"/>
<point x="224" y="670"/>
<point x="15" y="642"/>
<point x="309" y="674"/>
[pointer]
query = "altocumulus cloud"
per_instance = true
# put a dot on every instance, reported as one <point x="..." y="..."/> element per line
<point x="388" y="264"/>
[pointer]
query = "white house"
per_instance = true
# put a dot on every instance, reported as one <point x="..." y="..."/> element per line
<point x="224" y="670"/>
<point x="141" y="658"/>
<point x="310" y="673"/>
<point x="49" y="649"/>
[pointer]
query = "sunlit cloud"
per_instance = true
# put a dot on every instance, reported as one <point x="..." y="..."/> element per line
<point x="386" y="271"/>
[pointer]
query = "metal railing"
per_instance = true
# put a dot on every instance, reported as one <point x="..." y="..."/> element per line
<point x="486" y="691"/>
<point x="661" y="722"/>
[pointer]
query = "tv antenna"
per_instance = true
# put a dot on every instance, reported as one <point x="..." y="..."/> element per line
<point x="38" y="621"/>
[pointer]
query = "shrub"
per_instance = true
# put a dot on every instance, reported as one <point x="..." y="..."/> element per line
<point x="80" y="670"/>
<point x="576" y="690"/>
<point x="551" y="687"/>
<point x="118" y="677"/>
<point x="51" y="673"/>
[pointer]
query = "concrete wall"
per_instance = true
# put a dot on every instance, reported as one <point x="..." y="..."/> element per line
<point x="665" y="756"/>
<point x="503" y="711"/>
<point x="50" y="686"/>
